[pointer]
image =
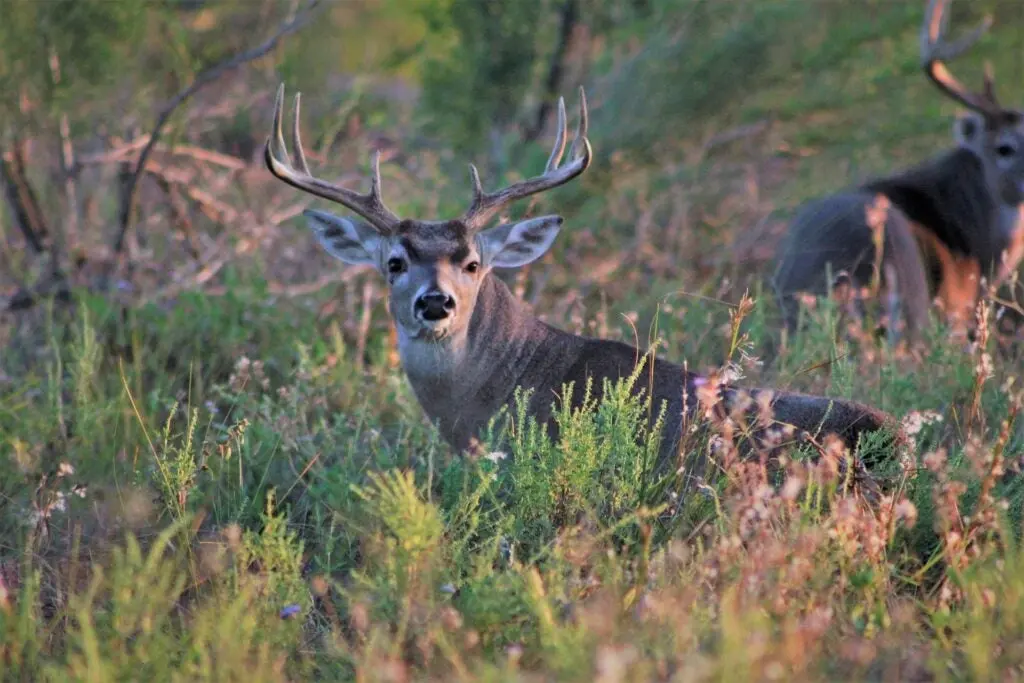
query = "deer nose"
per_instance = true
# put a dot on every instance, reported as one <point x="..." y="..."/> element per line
<point x="434" y="305"/>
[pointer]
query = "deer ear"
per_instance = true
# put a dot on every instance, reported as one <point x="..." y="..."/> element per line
<point x="968" y="129"/>
<point x="516" y="244"/>
<point x="353" y="242"/>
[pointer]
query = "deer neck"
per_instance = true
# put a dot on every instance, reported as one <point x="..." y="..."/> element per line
<point x="463" y="380"/>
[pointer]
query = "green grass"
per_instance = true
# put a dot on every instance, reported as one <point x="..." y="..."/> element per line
<point x="220" y="488"/>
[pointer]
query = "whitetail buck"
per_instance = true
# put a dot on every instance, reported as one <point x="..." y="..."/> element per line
<point x="466" y="342"/>
<point x="951" y="220"/>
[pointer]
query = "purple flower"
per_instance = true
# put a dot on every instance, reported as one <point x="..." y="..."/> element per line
<point x="289" y="611"/>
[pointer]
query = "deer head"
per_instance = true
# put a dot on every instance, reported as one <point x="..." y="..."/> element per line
<point x="993" y="132"/>
<point x="434" y="269"/>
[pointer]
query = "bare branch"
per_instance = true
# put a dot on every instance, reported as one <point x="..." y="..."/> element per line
<point x="203" y="79"/>
<point x="567" y="22"/>
<point x="67" y="230"/>
<point x="22" y="198"/>
<point x="215" y="209"/>
<point x="127" y="152"/>
<point x="180" y="215"/>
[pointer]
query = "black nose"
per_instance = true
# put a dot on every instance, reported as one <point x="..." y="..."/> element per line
<point x="434" y="305"/>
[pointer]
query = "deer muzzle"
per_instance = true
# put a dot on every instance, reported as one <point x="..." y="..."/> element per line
<point x="433" y="306"/>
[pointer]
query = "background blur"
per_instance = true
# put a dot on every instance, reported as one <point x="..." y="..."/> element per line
<point x="711" y="122"/>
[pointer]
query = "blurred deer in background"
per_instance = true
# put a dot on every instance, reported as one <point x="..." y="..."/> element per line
<point x="949" y="222"/>
<point x="466" y="342"/>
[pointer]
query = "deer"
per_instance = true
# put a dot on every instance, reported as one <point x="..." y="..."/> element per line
<point x="466" y="343"/>
<point x="950" y="222"/>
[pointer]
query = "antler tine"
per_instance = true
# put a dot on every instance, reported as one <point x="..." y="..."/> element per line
<point x="989" y="83"/>
<point x="276" y="149"/>
<point x="935" y="51"/>
<point x="375" y="176"/>
<point x="369" y="206"/>
<point x="300" y="154"/>
<point x="486" y="204"/>
<point x="581" y="125"/>
<point x="558" y="149"/>
<point x="478" y="190"/>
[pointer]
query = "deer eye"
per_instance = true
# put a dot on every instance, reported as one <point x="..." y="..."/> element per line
<point x="472" y="266"/>
<point x="396" y="266"/>
<point x="1004" y="150"/>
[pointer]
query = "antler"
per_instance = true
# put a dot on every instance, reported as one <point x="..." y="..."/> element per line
<point x="935" y="51"/>
<point x="369" y="206"/>
<point x="486" y="204"/>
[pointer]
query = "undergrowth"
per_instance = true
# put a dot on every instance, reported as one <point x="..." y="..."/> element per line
<point x="306" y="522"/>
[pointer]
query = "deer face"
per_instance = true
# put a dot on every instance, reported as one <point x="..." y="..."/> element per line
<point x="991" y="131"/>
<point x="999" y="143"/>
<point x="434" y="269"/>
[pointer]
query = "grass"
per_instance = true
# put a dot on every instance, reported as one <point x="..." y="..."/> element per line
<point x="238" y="486"/>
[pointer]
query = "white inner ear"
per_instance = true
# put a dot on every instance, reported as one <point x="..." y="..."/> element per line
<point x="514" y="245"/>
<point x="353" y="242"/>
<point x="968" y="129"/>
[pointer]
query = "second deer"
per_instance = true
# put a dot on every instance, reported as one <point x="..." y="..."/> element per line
<point x="949" y="222"/>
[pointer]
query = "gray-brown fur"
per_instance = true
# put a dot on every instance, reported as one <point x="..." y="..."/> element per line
<point x="951" y="219"/>
<point x="466" y="342"/>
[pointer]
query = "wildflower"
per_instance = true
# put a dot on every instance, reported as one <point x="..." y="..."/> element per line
<point x="935" y="460"/>
<point x="451" y="619"/>
<point x="514" y="652"/>
<point x="289" y="611"/>
<point x="906" y="512"/>
<point x="791" y="489"/>
<point x="916" y="420"/>
<point x="495" y="456"/>
<point x="319" y="586"/>
<point x="359" y="617"/>
<point x="985" y="368"/>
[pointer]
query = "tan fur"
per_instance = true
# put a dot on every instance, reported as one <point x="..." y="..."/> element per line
<point x="957" y="293"/>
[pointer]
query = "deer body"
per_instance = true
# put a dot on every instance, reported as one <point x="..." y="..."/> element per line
<point x="950" y="222"/>
<point x="467" y="343"/>
<point x="463" y="383"/>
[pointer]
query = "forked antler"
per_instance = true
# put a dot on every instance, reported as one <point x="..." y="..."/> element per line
<point x="486" y="204"/>
<point x="935" y="51"/>
<point x="369" y="206"/>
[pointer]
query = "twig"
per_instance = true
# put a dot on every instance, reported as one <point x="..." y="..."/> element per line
<point x="302" y="288"/>
<point x="726" y="137"/>
<point x="126" y="152"/>
<point x="364" y="323"/>
<point x="203" y="79"/>
<point x="179" y="214"/>
<point x="22" y="198"/>
<point x="569" y="16"/>
<point x="67" y="231"/>
<point x="215" y="209"/>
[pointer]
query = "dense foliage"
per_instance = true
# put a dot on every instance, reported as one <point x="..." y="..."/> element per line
<point x="212" y="468"/>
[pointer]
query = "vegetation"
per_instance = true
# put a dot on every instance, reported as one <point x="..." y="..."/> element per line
<point x="213" y="469"/>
